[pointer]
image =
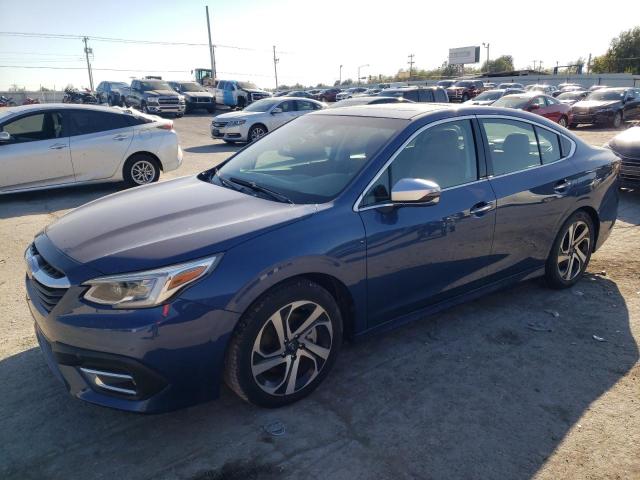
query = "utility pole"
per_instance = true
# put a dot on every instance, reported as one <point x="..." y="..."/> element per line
<point x="88" y="51"/>
<point x="212" y="53"/>
<point x="486" y="45"/>
<point x="275" y="65"/>
<point x="539" y="65"/>
<point x="359" y="67"/>
<point x="340" y="77"/>
<point x="589" y="64"/>
<point x="534" y="65"/>
<point x="411" y="62"/>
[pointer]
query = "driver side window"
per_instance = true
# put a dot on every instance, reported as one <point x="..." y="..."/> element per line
<point x="444" y="154"/>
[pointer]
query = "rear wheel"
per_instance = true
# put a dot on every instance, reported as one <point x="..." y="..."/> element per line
<point x="284" y="345"/>
<point x="571" y="251"/>
<point x="563" y="122"/>
<point x="617" y="120"/>
<point x="141" y="169"/>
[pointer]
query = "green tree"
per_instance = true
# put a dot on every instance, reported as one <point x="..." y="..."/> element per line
<point x="500" y="64"/>
<point x="623" y="55"/>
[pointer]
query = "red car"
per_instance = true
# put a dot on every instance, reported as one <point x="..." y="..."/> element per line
<point x="534" y="102"/>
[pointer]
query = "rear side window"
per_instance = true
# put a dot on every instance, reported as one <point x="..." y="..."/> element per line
<point x="512" y="145"/>
<point x="304" y="106"/>
<point x="426" y="96"/>
<point x="565" y="145"/>
<point x="411" y="95"/>
<point x="91" y="121"/>
<point x="441" y="96"/>
<point x="549" y="145"/>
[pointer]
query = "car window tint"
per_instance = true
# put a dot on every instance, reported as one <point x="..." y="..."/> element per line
<point x="549" y="145"/>
<point x="304" y="106"/>
<point x="31" y="128"/>
<point x="441" y="96"/>
<point x="512" y="145"/>
<point x="538" y="101"/>
<point x="565" y="145"/>
<point x="411" y="95"/>
<point x="91" y="121"/>
<point x="444" y="154"/>
<point x="426" y="96"/>
<point x="288" y="106"/>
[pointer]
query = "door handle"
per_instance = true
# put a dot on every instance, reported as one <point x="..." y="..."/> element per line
<point x="121" y="137"/>
<point x="481" y="208"/>
<point x="58" y="146"/>
<point x="562" y="186"/>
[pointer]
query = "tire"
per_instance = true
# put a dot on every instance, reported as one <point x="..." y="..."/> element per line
<point x="211" y="109"/>
<point x="179" y="115"/>
<point x="617" y="120"/>
<point x="144" y="108"/>
<point x="572" y="126"/>
<point x="241" y="103"/>
<point x="563" y="122"/>
<point x="141" y="169"/>
<point x="230" y="142"/>
<point x="571" y="251"/>
<point x="257" y="339"/>
<point x="465" y="97"/>
<point x="256" y="132"/>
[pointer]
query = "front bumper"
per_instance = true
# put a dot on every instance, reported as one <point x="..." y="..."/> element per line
<point x="167" y="108"/>
<point x="235" y="133"/>
<point x="629" y="172"/>
<point x="157" y="359"/>
<point x="599" y="117"/>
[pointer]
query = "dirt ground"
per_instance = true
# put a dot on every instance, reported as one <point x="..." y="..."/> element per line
<point x="500" y="388"/>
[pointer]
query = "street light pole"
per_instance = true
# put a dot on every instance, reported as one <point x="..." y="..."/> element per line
<point x="340" y="77"/>
<point x="87" y="51"/>
<point x="275" y="65"/>
<point x="486" y="45"/>
<point x="359" y="67"/>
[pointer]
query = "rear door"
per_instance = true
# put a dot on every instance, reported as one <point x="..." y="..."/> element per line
<point x="99" y="142"/>
<point x="534" y="182"/>
<point x="37" y="153"/>
<point x="425" y="95"/>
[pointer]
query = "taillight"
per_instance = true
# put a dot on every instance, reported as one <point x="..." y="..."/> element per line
<point x="166" y="126"/>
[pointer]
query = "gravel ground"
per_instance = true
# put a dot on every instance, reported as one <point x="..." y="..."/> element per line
<point x="500" y="388"/>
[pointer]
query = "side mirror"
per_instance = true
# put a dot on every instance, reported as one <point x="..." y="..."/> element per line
<point x="415" y="190"/>
<point x="531" y="108"/>
<point x="276" y="110"/>
<point x="5" y="136"/>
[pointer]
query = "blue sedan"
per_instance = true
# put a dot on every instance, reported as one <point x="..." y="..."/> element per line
<point x="340" y="223"/>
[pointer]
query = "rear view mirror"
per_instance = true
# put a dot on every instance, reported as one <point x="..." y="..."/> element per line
<point x="5" y="136"/>
<point x="415" y="190"/>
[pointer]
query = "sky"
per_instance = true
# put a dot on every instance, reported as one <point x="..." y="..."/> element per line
<point x="312" y="39"/>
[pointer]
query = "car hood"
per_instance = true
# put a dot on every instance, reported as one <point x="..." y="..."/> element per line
<point x="170" y="93"/>
<point x="627" y="143"/>
<point x="165" y="223"/>
<point x="197" y="94"/>
<point x="595" y="103"/>
<point x="236" y="115"/>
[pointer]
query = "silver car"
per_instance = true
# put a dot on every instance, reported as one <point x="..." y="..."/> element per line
<point x="261" y="117"/>
<point x="54" y="145"/>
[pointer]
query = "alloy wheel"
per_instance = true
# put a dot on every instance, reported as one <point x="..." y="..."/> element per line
<point x="256" y="133"/>
<point x="143" y="172"/>
<point x="563" y="122"/>
<point x="291" y="348"/>
<point x="574" y="250"/>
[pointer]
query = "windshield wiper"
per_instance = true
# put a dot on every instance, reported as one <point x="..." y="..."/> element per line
<point x="259" y="188"/>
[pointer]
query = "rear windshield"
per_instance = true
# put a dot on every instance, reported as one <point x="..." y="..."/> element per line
<point x="511" y="101"/>
<point x="607" y="95"/>
<point x="489" y="95"/>
<point x="464" y="84"/>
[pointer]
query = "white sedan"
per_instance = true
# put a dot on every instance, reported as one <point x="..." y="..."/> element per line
<point x="261" y="117"/>
<point x="54" y="145"/>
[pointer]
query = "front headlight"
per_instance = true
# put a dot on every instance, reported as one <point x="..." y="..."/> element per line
<point x="181" y="98"/>
<point x="236" y="122"/>
<point x="150" y="288"/>
<point x="152" y="99"/>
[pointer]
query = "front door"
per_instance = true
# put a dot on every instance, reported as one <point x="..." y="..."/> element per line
<point x="421" y="254"/>
<point x="36" y="154"/>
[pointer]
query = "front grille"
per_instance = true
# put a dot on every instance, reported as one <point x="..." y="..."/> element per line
<point x="49" y="284"/>
<point x="203" y="100"/>
<point x="630" y="170"/>
<point x="220" y="124"/>
<point x="168" y="100"/>
<point x="47" y="296"/>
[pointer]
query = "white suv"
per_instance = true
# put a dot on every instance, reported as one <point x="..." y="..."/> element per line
<point x="53" y="145"/>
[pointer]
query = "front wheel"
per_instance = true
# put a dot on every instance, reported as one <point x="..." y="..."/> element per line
<point x="257" y="132"/>
<point x="465" y="97"/>
<point x="141" y="169"/>
<point x="284" y="345"/>
<point x="571" y="251"/>
<point x="617" y="120"/>
<point x="563" y="122"/>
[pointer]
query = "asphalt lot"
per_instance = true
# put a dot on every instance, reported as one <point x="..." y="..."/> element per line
<point x="500" y="388"/>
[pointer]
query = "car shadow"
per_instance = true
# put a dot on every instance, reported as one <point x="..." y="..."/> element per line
<point x="486" y="390"/>
<point x="629" y="208"/>
<point x="215" y="148"/>
<point x="55" y="200"/>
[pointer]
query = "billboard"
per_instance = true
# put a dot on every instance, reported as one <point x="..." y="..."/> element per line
<point x="459" y="56"/>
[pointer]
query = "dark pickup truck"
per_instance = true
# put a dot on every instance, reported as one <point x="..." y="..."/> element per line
<point x="155" y="97"/>
<point x="464" y="90"/>
<point x="112" y="93"/>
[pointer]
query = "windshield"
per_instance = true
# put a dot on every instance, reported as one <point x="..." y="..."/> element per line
<point x="489" y="95"/>
<point x="249" y="85"/>
<point x="462" y="83"/>
<point x="192" y="87"/>
<point x="570" y="96"/>
<point x="511" y="101"/>
<point x="312" y="158"/>
<point x="607" y="95"/>
<point x="262" y="105"/>
<point x="390" y="93"/>
<point x="155" y="85"/>
<point x="119" y="84"/>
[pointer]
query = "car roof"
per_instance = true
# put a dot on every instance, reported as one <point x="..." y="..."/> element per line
<point x="403" y="111"/>
<point x="19" y="110"/>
